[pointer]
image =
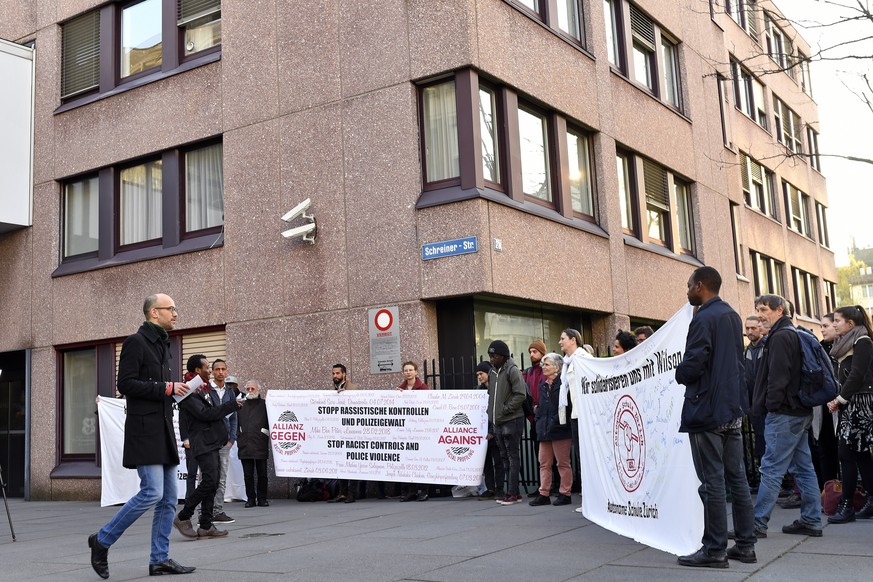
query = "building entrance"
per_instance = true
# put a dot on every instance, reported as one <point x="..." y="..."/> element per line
<point x="13" y="422"/>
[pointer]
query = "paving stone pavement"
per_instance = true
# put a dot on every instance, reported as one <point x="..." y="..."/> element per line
<point x="441" y="540"/>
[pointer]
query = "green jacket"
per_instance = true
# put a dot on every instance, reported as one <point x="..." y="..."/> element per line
<point x="506" y="393"/>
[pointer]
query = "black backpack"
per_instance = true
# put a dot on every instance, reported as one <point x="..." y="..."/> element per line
<point x="817" y="383"/>
<point x="313" y="490"/>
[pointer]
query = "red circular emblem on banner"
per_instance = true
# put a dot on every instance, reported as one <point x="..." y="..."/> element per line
<point x="629" y="443"/>
<point x="383" y="320"/>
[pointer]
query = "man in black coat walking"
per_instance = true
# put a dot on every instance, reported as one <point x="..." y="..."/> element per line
<point x="149" y="438"/>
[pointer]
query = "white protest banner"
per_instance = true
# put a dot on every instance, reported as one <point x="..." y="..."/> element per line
<point x="638" y="479"/>
<point x="119" y="484"/>
<point x="411" y="436"/>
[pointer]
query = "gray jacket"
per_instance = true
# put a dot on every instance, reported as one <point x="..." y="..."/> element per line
<point x="506" y="393"/>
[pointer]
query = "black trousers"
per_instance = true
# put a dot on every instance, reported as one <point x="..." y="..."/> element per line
<point x="250" y="466"/>
<point x="191" y="481"/>
<point x="204" y="495"/>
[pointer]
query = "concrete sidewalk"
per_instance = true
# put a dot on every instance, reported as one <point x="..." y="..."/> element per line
<point x="441" y="540"/>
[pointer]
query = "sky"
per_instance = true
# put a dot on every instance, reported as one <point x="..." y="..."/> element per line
<point x="846" y="122"/>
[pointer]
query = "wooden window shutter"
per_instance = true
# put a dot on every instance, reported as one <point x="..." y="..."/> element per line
<point x="744" y="163"/>
<point x="81" y="54"/>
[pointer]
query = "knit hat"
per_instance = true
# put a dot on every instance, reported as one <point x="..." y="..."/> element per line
<point x="483" y="367"/>
<point x="539" y="345"/>
<point x="499" y="347"/>
<point x="231" y="380"/>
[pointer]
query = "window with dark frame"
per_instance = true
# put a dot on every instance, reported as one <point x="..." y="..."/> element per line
<point x="653" y="62"/>
<point x="743" y="12"/>
<point x="81" y="205"/>
<point x="757" y="182"/>
<point x="812" y="141"/>
<point x="735" y="232"/>
<point x="660" y="198"/>
<point x="749" y="94"/>
<point x="563" y="16"/>
<point x="767" y="275"/>
<point x="137" y="51"/>
<point x="830" y="291"/>
<point x="140" y="200"/>
<point x="78" y="423"/>
<point x="779" y="46"/>
<point x="824" y="238"/>
<point x="796" y="209"/>
<point x="788" y="126"/>
<point x="527" y="152"/>
<point x="806" y="302"/>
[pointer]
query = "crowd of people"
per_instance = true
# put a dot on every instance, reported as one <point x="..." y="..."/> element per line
<point x="726" y="385"/>
<point x="761" y="383"/>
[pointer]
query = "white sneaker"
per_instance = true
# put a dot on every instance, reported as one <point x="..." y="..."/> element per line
<point x="578" y="509"/>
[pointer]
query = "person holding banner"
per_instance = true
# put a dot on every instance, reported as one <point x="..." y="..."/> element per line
<point x="493" y="468"/>
<point x="555" y="436"/>
<point x="411" y="381"/>
<point x="571" y="385"/>
<point x="712" y="370"/>
<point x="150" y="439"/>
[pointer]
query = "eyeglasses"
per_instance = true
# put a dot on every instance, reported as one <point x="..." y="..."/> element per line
<point x="172" y="308"/>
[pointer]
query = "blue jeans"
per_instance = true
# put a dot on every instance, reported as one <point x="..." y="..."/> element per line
<point x="509" y="443"/>
<point x="787" y="450"/>
<point x="157" y="488"/>
<point x="718" y="460"/>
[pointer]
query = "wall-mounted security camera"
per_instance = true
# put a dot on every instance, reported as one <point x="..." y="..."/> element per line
<point x="308" y="231"/>
<point x="299" y="210"/>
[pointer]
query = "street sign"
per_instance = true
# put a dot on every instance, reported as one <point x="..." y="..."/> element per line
<point x="384" y="340"/>
<point x="449" y="248"/>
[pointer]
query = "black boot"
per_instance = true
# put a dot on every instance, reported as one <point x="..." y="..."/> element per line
<point x="845" y="513"/>
<point x="866" y="512"/>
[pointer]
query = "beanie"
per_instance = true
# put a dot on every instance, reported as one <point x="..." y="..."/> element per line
<point x="538" y="345"/>
<point x="498" y="347"/>
<point x="483" y="367"/>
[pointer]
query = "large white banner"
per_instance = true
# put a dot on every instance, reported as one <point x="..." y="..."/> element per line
<point x="638" y="478"/>
<point x="119" y="484"/>
<point x="411" y="436"/>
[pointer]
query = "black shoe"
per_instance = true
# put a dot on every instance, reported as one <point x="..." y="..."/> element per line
<point x="759" y="533"/>
<point x="535" y="493"/>
<point x="845" y="513"/>
<point x="169" y="567"/>
<point x="802" y="529"/>
<point x="250" y="503"/>
<point x="222" y="517"/>
<point x="337" y="499"/>
<point x="562" y="500"/>
<point x="744" y="555"/>
<point x="422" y="497"/>
<point x="409" y="497"/>
<point x="703" y="559"/>
<point x="349" y="499"/>
<point x="99" y="556"/>
<point x="866" y="512"/>
<point x="790" y="502"/>
<point x="489" y="494"/>
<point x="263" y="503"/>
<point x="540" y="500"/>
